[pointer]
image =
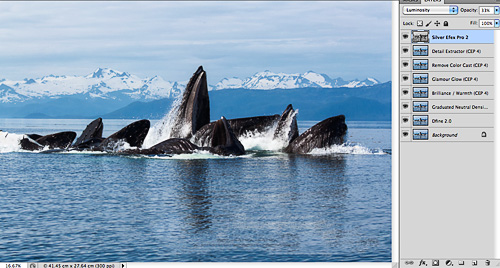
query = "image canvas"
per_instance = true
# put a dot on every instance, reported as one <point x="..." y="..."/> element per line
<point x="195" y="131"/>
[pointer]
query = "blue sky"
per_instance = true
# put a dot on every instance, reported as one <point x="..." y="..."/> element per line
<point x="171" y="39"/>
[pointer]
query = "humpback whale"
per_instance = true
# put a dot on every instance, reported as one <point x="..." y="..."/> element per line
<point x="239" y="126"/>
<point x="324" y="134"/>
<point x="61" y="140"/>
<point x="223" y="139"/>
<point x="194" y="110"/>
<point x="134" y="134"/>
<point x="223" y="142"/>
<point x="244" y="125"/>
<point x="91" y="135"/>
<point x="30" y="144"/>
<point x="287" y="125"/>
<point x="192" y="130"/>
<point x="170" y="146"/>
<point x="34" y="136"/>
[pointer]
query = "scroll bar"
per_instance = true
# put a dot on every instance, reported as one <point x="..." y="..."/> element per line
<point x="395" y="130"/>
<point x="497" y="144"/>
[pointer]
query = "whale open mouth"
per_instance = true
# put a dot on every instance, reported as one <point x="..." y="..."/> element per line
<point x="187" y="128"/>
<point x="194" y="110"/>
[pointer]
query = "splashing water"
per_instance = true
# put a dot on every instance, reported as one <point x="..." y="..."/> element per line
<point x="83" y="152"/>
<point x="10" y="142"/>
<point x="197" y="154"/>
<point x="346" y="148"/>
<point x="265" y="140"/>
<point x="284" y="134"/>
<point x="120" y="145"/>
<point x="162" y="129"/>
<point x="262" y="141"/>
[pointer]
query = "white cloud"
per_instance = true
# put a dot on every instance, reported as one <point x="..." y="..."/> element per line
<point x="230" y="38"/>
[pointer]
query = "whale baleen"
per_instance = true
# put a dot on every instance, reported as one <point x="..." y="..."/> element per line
<point x="239" y="126"/>
<point x="194" y="110"/>
<point x="287" y="125"/>
<point x="191" y="130"/>
<point x="27" y="143"/>
<point x="224" y="141"/>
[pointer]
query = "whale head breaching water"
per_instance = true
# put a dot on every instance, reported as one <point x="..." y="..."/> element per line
<point x="187" y="128"/>
<point x="133" y="134"/>
<point x="188" y="114"/>
<point x="170" y="146"/>
<point x="91" y="136"/>
<point x="239" y="126"/>
<point x="61" y="140"/>
<point x="287" y="128"/>
<point x="324" y="134"/>
<point x="223" y="139"/>
<point x="194" y="111"/>
<point x="283" y="128"/>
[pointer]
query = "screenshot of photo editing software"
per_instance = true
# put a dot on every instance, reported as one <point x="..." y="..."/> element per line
<point x="227" y="133"/>
<point x="447" y="55"/>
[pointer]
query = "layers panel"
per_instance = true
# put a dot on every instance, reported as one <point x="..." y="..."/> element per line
<point x="447" y="116"/>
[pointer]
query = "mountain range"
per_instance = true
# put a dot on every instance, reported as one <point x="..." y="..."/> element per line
<point x="114" y="94"/>
<point x="268" y="80"/>
<point x="102" y="83"/>
<point x="111" y="84"/>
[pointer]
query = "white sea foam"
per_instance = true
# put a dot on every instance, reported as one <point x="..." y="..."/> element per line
<point x="256" y="141"/>
<point x="265" y="141"/>
<point x="262" y="141"/>
<point x="121" y="145"/>
<point x="284" y="135"/>
<point x="197" y="154"/>
<point x="10" y="142"/>
<point x="345" y="148"/>
<point x="82" y="152"/>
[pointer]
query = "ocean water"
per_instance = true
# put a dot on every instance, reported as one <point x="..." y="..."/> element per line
<point x="331" y="205"/>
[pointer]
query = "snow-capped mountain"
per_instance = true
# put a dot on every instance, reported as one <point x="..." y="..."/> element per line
<point x="9" y="94"/>
<point x="268" y="80"/>
<point x="102" y="83"/>
<point x="111" y="84"/>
